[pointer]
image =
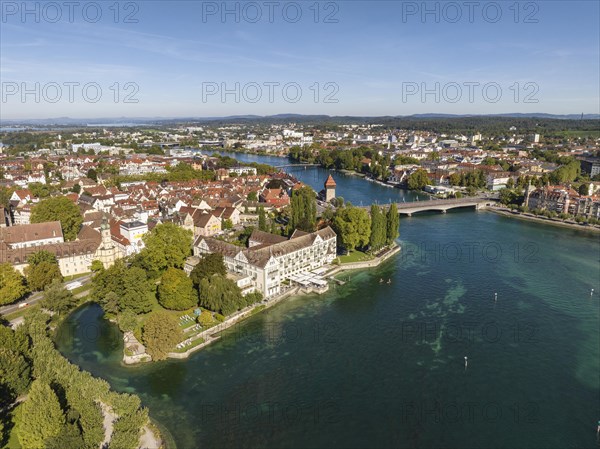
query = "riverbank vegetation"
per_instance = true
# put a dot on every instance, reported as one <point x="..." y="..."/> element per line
<point x="60" y="405"/>
<point x="362" y="159"/>
<point x="149" y="293"/>
<point x="367" y="231"/>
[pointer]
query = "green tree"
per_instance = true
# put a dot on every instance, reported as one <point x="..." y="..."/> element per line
<point x="90" y="417"/>
<point x="378" y="228"/>
<point x="168" y="245"/>
<point x="161" y="333"/>
<point x="176" y="291"/>
<point x="40" y="417"/>
<point x="42" y="274"/>
<point x="69" y="438"/>
<point x="137" y="293"/>
<point x="392" y="224"/>
<point x="108" y="281"/>
<point x="96" y="266"/>
<point x="42" y="256"/>
<point x="12" y="284"/>
<point x="92" y="174"/>
<point x="14" y="340"/>
<point x="127" y="321"/>
<point x="226" y="224"/>
<point x="61" y="209"/>
<point x="208" y="265"/>
<point x="303" y="214"/>
<point x="262" y="221"/>
<point x="252" y="196"/>
<point x="584" y="189"/>
<point x="418" y="180"/>
<point x="15" y="371"/>
<point x="58" y="299"/>
<point x="566" y="173"/>
<point x="353" y="227"/>
<point x="39" y="190"/>
<point x="76" y="188"/>
<point x="219" y="294"/>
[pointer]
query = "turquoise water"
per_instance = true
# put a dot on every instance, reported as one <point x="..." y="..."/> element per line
<point x="372" y="364"/>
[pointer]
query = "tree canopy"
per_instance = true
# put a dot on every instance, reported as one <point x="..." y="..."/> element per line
<point x="303" y="210"/>
<point x="167" y="246"/>
<point x="42" y="274"/>
<point x="41" y="417"/>
<point x="161" y="333"/>
<point x="392" y="224"/>
<point x="61" y="209"/>
<point x="209" y="264"/>
<point x="41" y="256"/>
<point x="378" y="228"/>
<point x="353" y="227"/>
<point x="12" y="284"/>
<point x="176" y="290"/>
<point x="57" y="298"/>
<point x="418" y="179"/>
<point x="219" y="294"/>
<point x="135" y="292"/>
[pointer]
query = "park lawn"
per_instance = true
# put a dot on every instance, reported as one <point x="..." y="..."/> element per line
<point x="355" y="256"/>
<point x="193" y="344"/>
<point x="137" y="332"/>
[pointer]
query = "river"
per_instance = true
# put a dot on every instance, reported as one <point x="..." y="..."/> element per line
<point x="351" y="187"/>
<point x="372" y="364"/>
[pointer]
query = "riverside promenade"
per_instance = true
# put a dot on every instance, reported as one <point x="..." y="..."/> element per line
<point x="210" y="335"/>
<point x="378" y="260"/>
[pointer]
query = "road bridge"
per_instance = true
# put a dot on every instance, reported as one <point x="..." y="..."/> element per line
<point x="414" y="207"/>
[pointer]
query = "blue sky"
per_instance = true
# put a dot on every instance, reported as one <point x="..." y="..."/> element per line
<point x="354" y="58"/>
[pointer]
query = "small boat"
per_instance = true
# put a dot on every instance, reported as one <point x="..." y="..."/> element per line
<point x="389" y="281"/>
<point x="381" y="281"/>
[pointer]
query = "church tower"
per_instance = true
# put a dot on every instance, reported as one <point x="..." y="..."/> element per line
<point x="107" y="252"/>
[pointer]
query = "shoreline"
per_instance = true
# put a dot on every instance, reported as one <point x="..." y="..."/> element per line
<point x="211" y="334"/>
<point x="510" y="213"/>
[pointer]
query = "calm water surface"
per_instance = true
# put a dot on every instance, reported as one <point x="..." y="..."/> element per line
<point x="372" y="364"/>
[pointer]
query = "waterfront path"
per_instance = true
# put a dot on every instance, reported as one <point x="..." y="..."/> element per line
<point x="210" y="334"/>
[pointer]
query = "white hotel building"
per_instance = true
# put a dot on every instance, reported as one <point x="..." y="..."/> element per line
<point x="271" y="259"/>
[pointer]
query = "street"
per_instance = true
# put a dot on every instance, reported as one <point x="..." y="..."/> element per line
<point x="37" y="296"/>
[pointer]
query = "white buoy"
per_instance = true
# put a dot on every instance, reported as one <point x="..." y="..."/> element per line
<point x="495" y="296"/>
<point x="592" y="292"/>
<point x="466" y="361"/>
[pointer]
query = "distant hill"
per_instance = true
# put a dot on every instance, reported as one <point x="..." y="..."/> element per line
<point x="139" y="121"/>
